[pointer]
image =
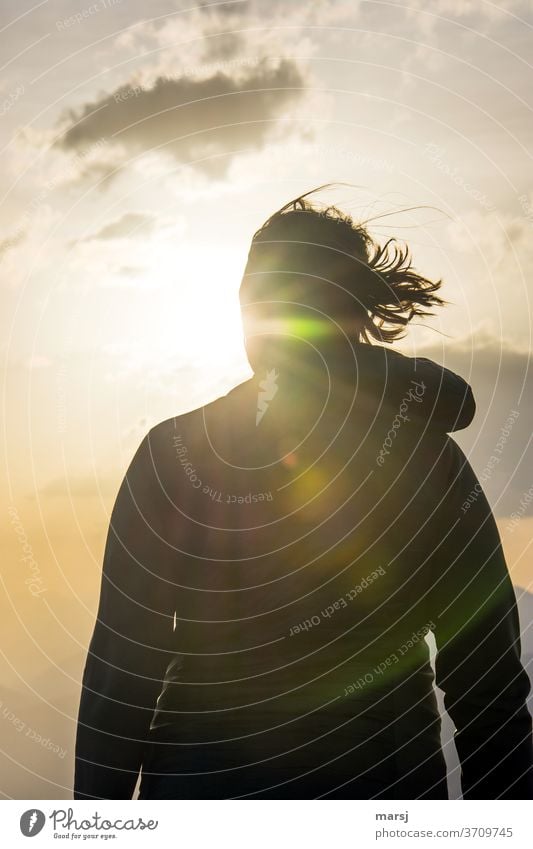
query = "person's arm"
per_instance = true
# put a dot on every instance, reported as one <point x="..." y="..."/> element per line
<point x="478" y="644"/>
<point x="132" y="638"/>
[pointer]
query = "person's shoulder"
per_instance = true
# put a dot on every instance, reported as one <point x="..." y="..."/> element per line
<point x="190" y="423"/>
<point x="163" y="432"/>
<point x="379" y="358"/>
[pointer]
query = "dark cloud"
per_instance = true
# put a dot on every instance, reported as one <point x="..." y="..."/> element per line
<point x="232" y="7"/>
<point x="222" y="46"/>
<point x="130" y="224"/>
<point x="500" y="377"/>
<point x="202" y="122"/>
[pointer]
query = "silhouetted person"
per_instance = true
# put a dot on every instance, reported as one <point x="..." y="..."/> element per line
<point x="275" y="559"/>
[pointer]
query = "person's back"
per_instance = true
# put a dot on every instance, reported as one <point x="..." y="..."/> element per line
<point x="301" y="629"/>
<point x="277" y="557"/>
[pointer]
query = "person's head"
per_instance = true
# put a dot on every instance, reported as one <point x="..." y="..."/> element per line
<point x="313" y="272"/>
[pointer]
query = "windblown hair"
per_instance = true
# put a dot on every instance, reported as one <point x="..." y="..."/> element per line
<point x="376" y="282"/>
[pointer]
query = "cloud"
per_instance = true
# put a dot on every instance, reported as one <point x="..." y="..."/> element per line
<point x="498" y="236"/>
<point x="472" y="8"/>
<point x="232" y="7"/>
<point x="472" y="15"/>
<point x="132" y="223"/>
<point x="32" y="230"/>
<point x="11" y="242"/>
<point x="200" y="122"/>
<point x="258" y="27"/>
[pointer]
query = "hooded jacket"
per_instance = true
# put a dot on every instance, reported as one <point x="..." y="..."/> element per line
<point x="273" y="565"/>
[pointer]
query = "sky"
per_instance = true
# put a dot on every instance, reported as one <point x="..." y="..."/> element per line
<point x="141" y="147"/>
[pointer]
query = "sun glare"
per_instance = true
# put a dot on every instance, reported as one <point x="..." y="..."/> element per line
<point x="196" y="315"/>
